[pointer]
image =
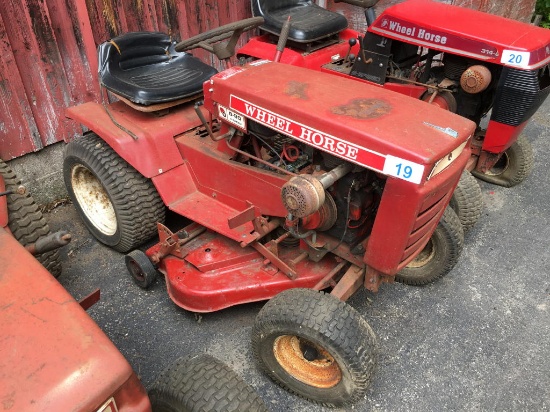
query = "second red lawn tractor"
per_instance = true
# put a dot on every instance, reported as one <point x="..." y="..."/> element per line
<point x="293" y="184"/>
<point x="462" y="60"/>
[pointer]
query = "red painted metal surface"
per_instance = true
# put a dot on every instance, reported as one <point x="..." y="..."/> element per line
<point x="500" y="137"/>
<point x="441" y="27"/>
<point x="155" y="133"/>
<point x="217" y="273"/>
<point x="310" y="107"/>
<point x="54" y="357"/>
<point x="521" y="10"/>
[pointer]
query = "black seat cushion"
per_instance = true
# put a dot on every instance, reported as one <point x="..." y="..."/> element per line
<point x="145" y="68"/>
<point x="308" y="22"/>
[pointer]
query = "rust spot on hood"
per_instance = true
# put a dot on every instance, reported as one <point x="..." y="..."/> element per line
<point x="297" y="90"/>
<point x="363" y="108"/>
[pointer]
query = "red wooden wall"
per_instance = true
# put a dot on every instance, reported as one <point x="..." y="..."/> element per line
<point x="48" y="52"/>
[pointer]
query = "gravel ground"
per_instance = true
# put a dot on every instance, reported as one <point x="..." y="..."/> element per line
<point x="478" y="339"/>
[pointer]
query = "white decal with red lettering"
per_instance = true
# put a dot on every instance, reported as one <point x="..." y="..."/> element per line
<point x="410" y="171"/>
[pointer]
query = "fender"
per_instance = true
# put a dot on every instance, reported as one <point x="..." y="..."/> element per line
<point x="152" y="150"/>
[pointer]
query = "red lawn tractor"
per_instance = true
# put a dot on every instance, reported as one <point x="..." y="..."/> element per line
<point x="462" y="60"/>
<point x="293" y="184"/>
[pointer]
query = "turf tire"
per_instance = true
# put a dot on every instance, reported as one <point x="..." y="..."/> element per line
<point x="317" y="321"/>
<point x="201" y="383"/>
<point x="136" y="204"/>
<point x="26" y="222"/>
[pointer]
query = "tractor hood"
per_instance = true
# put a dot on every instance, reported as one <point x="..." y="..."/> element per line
<point x="54" y="357"/>
<point x="466" y="32"/>
<point x="361" y="123"/>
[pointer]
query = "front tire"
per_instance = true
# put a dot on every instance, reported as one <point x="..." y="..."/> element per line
<point x="513" y="167"/>
<point x="26" y="222"/>
<point x="315" y="346"/>
<point x="202" y="383"/>
<point x="440" y="254"/>
<point x="118" y="205"/>
<point x="467" y="200"/>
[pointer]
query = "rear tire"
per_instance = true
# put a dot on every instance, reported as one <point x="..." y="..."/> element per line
<point x="118" y="205"/>
<point x="467" y="201"/>
<point x="26" y="222"/>
<point x="513" y="167"/>
<point x="202" y="383"/>
<point x="439" y="256"/>
<point x="315" y="346"/>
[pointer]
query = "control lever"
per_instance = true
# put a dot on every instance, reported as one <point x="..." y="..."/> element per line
<point x="352" y="42"/>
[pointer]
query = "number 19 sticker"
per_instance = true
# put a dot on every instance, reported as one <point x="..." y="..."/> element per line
<point x="515" y="58"/>
<point x="403" y="169"/>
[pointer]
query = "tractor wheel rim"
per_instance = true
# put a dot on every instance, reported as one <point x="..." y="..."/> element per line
<point x="136" y="271"/>
<point x="500" y="166"/>
<point x="93" y="200"/>
<point x="424" y="257"/>
<point x="306" y="361"/>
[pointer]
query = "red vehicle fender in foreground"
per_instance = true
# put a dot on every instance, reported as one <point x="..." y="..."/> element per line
<point x="53" y="356"/>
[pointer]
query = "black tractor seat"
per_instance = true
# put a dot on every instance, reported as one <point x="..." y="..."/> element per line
<point x="308" y="21"/>
<point x="145" y="69"/>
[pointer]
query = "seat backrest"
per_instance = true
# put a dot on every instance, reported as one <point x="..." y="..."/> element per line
<point x="145" y="68"/>
<point x="263" y="7"/>
<point x="136" y="49"/>
<point x="308" y="21"/>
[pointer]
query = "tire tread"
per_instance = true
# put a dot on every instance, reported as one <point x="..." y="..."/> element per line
<point x="136" y="201"/>
<point x="203" y="383"/>
<point x="26" y="221"/>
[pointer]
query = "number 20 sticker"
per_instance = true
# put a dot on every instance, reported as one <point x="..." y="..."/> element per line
<point x="403" y="169"/>
<point x="515" y="58"/>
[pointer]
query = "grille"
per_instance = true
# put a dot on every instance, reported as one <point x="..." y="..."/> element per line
<point x="518" y="96"/>
<point x="424" y="225"/>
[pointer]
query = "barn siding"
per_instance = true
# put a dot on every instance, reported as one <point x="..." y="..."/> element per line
<point x="48" y="52"/>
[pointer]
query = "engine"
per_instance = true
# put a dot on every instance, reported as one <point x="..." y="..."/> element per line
<point x="326" y="194"/>
<point x="464" y="86"/>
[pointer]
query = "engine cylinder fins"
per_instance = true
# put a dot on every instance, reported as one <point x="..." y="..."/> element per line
<point x="475" y="79"/>
<point x="331" y="161"/>
<point x="303" y="195"/>
<point x="454" y="66"/>
<point x="324" y="218"/>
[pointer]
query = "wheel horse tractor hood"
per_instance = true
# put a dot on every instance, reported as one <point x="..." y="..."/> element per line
<point x="382" y="131"/>
<point x="495" y="40"/>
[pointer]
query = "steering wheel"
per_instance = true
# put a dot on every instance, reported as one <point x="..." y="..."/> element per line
<point x="209" y="40"/>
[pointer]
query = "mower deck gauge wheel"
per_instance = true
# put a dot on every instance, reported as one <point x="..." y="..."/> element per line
<point x="315" y="346"/>
<point x="141" y="268"/>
